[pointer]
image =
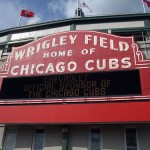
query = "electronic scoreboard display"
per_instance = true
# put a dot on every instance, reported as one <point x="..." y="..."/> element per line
<point x="83" y="85"/>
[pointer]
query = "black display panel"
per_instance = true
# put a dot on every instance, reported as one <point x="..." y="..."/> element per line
<point x="117" y="83"/>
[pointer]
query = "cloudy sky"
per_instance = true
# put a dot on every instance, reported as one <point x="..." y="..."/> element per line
<point x="46" y="10"/>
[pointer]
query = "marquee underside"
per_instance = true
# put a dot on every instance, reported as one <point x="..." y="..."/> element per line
<point x="111" y="112"/>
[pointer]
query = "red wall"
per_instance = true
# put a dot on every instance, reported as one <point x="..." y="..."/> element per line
<point x="145" y="81"/>
<point x="77" y="113"/>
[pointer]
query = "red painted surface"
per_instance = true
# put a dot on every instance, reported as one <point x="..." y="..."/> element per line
<point x="145" y="81"/>
<point x="76" y="113"/>
<point x="71" y="52"/>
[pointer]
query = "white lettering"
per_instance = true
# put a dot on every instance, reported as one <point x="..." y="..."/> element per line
<point x="123" y="46"/>
<point x="90" y="65"/>
<point x="54" y="54"/>
<point x="103" y="42"/>
<point x="38" y="68"/>
<point x="72" y="39"/>
<point x="87" y="65"/>
<point x="30" y="51"/>
<point x="126" y="62"/>
<point x="63" y="40"/>
<point x="112" y="45"/>
<point x="70" y="53"/>
<point x="54" y="42"/>
<point x="95" y="40"/>
<point x="58" y="54"/>
<point x="103" y="66"/>
<point x="84" y="51"/>
<point x="62" y="53"/>
<point x="38" y="47"/>
<point x="60" y="67"/>
<point x="24" y="69"/>
<point x="113" y="63"/>
<point x="46" y="55"/>
<point x="46" y="44"/>
<point x="32" y="69"/>
<point x="50" y="68"/>
<point x="74" y="66"/>
<point x="87" y="39"/>
<point x="13" y="70"/>
<point x="92" y="50"/>
<point x="19" y="54"/>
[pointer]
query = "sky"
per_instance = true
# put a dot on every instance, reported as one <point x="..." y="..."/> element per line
<point x="49" y="10"/>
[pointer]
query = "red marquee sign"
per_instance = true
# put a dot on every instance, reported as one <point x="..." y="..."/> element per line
<point x="74" y="52"/>
<point x="76" y="67"/>
<point x="69" y="57"/>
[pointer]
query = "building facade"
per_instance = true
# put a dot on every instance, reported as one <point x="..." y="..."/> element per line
<point x="76" y="84"/>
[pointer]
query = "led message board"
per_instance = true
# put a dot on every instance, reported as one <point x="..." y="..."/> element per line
<point x="115" y="83"/>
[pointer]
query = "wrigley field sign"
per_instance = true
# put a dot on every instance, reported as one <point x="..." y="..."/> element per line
<point x="71" y="52"/>
<point x="74" y="64"/>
